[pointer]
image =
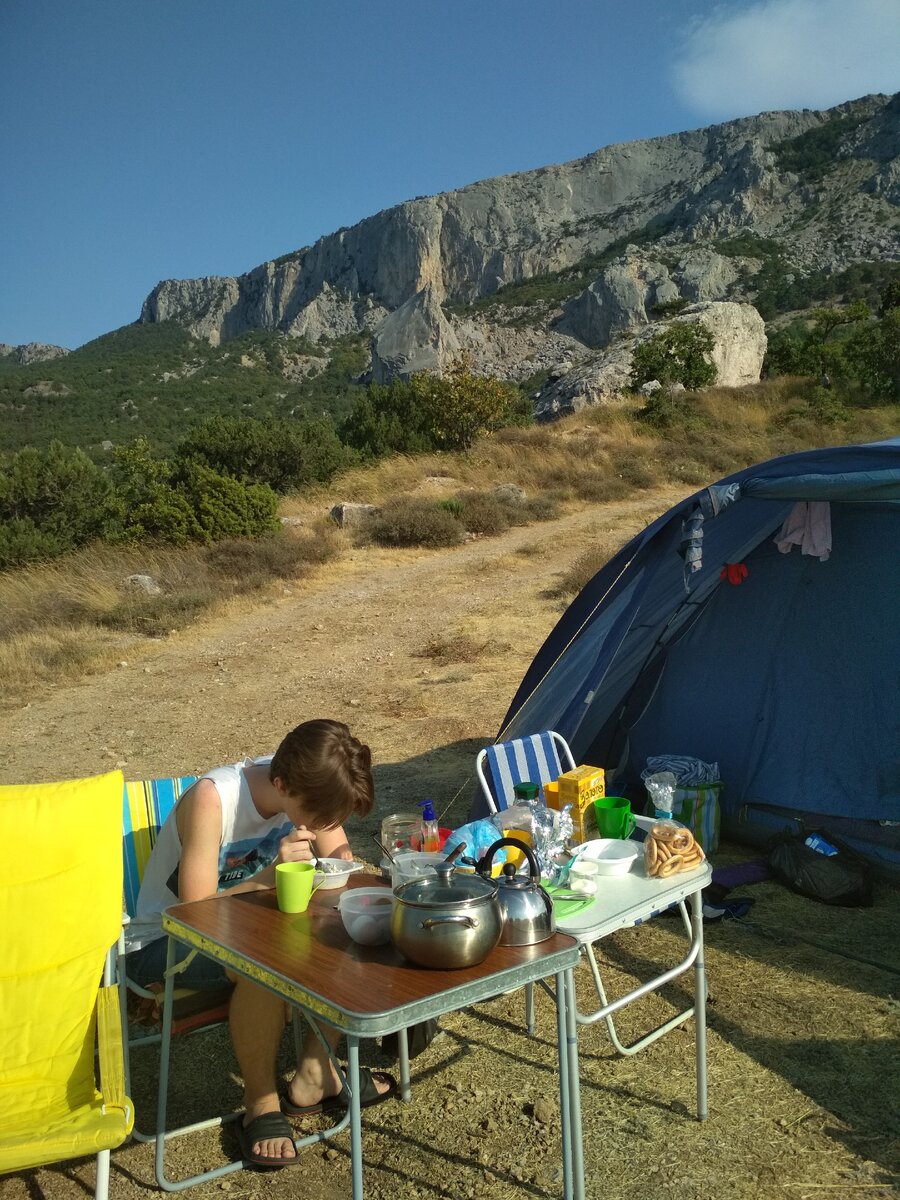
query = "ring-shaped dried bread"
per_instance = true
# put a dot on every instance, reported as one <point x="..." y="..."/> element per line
<point x="671" y="867"/>
<point x="663" y="851"/>
<point x="683" y="840"/>
<point x="652" y="854"/>
<point x="663" y="832"/>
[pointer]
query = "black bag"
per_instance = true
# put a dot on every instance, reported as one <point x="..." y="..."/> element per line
<point x="841" y="878"/>
<point x="418" y="1038"/>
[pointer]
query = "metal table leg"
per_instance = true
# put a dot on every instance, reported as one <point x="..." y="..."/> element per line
<point x="356" y="1160"/>
<point x="699" y="1004"/>
<point x="574" y="1082"/>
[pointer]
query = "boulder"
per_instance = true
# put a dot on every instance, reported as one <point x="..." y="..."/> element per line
<point x="351" y="515"/>
<point x="144" y="583"/>
<point x="739" y="347"/>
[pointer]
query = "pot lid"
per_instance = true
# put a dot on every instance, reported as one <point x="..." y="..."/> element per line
<point x="446" y="887"/>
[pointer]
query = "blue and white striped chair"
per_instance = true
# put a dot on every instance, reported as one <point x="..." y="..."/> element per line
<point x="537" y="758"/>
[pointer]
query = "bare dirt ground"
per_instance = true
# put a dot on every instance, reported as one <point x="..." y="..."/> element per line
<point x="801" y="1059"/>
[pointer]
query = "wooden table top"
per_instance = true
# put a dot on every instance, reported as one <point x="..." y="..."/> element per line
<point x="310" y="959"/>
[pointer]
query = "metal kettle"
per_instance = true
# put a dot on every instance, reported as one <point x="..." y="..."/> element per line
<point x="527" y="909"/>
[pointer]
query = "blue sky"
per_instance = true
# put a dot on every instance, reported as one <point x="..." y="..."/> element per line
<point x="152" y="139"/>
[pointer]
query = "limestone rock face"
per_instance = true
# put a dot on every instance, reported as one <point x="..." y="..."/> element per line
<point x="670" y="192"/>
<point x="32" y="352"/>
<point x="417" y="337"/>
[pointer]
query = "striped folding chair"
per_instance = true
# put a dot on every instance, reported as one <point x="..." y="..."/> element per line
<point x="537" y="758"/>
<point x="146" y="805"/>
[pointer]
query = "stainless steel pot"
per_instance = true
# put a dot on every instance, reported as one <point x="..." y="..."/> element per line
<point x="527" y="909"/>
<point x="446" y="920"/>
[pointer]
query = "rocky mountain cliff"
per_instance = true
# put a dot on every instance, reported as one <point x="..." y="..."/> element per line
<point x="547" y="268"/>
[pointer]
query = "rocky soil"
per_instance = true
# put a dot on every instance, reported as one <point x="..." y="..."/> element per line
<point x="799" y="1053"/>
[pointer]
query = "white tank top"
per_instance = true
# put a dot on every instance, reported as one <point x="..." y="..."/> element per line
<point x="248" y="843"/>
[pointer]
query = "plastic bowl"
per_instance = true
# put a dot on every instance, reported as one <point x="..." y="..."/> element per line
<point x="366" y="913"/>
<point x="412" y="864"/>
<point x="610" y="856"/>
<point x="338" y="874"/>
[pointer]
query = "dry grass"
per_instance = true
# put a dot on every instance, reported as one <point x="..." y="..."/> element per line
<point x="61" y="620"/>
<point x="452" y="648"/>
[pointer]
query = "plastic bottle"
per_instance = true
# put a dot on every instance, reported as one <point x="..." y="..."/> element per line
<point x="431" y="838"/>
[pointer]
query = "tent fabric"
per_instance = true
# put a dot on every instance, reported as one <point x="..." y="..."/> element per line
<point x="791" y="682"/>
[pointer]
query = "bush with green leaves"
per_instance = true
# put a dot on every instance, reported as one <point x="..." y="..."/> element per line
<point x="678" y="354"/>
<point x="187" y="501"/>
<point x="52" y="501"/>
<point x="429" y="412"/>
<point x="285" y="454"/>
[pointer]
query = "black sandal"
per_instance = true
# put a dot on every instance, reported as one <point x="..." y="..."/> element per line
<point x="265" y="1128"/>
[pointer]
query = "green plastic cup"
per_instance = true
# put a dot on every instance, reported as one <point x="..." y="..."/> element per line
<point x="295" y="883"/>
<point x="614" y="817"/>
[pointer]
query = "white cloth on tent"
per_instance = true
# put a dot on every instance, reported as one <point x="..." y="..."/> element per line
<point x="807" y="525"/>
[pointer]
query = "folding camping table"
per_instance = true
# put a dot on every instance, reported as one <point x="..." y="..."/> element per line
<point x="632" y="899"/>
<point x="367" y="991"/>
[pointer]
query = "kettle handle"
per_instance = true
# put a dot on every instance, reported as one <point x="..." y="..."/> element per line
<point x="484" y="865"/>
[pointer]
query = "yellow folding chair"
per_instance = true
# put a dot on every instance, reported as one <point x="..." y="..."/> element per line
<point x="60" y="915"/>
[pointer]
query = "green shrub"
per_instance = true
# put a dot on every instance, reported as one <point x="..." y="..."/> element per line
<point x="51" y="501"/>
<point x="427" y="412"/>
<point x="827" y="406"/>
<point x="226" y="508"/>
<point x="676" y="355"/>
<point x="285" y="454"/>
<point x="410" y="522"/>
<point x="666" y="409"/>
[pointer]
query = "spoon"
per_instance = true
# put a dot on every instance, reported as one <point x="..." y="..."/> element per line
<point x="378" y="842"/>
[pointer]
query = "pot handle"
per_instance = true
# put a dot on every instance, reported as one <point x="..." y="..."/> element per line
<point x="469" y="922"/>
<point x="484" y="865"/>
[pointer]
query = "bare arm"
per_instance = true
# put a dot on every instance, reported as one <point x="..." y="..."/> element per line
<point x="332" y="843"/>
<point x="199" y="821"/>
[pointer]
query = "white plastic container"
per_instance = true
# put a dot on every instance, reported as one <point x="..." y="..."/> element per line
<point x="366" y="914"/>
<point x="608" y="856"/>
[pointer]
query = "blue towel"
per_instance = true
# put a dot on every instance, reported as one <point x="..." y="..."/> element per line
<point x="688" y="772"/>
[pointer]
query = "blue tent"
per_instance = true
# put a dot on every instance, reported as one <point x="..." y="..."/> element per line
<point x="789" y="681"/>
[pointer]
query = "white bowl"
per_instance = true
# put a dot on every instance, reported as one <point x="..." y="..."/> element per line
<point x="609" y="856"/>
<point x="341" y="870"/>
<point x="366" y="913"/>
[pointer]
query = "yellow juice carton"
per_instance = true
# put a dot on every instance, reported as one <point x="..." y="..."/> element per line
<point x="580" y="788"/>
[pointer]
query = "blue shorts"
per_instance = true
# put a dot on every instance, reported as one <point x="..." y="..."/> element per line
<point x="148" y="965"/>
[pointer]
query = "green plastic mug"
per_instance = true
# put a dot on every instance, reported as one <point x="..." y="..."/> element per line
<point x="295" y="883"/>
<point x="614" y="817"/>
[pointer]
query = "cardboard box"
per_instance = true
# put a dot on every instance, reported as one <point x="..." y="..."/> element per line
<point x="579" y="788"/>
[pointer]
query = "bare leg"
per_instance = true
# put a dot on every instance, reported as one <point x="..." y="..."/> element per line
<point x="256" y="1022"/>
<point x="315" y="1078"/>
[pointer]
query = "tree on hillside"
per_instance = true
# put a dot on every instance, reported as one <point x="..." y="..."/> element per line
<point x="676" y="355"/>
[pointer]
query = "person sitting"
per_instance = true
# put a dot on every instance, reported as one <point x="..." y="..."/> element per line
<point x="226" y="834"/>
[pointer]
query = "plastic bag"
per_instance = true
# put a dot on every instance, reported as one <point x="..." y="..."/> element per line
<point x="670" y="848"/>
<point x="479" y="836"/>
<point x="661" y="790"/>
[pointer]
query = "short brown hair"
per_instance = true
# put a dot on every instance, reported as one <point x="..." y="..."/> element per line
<point x="325" y="765"/>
